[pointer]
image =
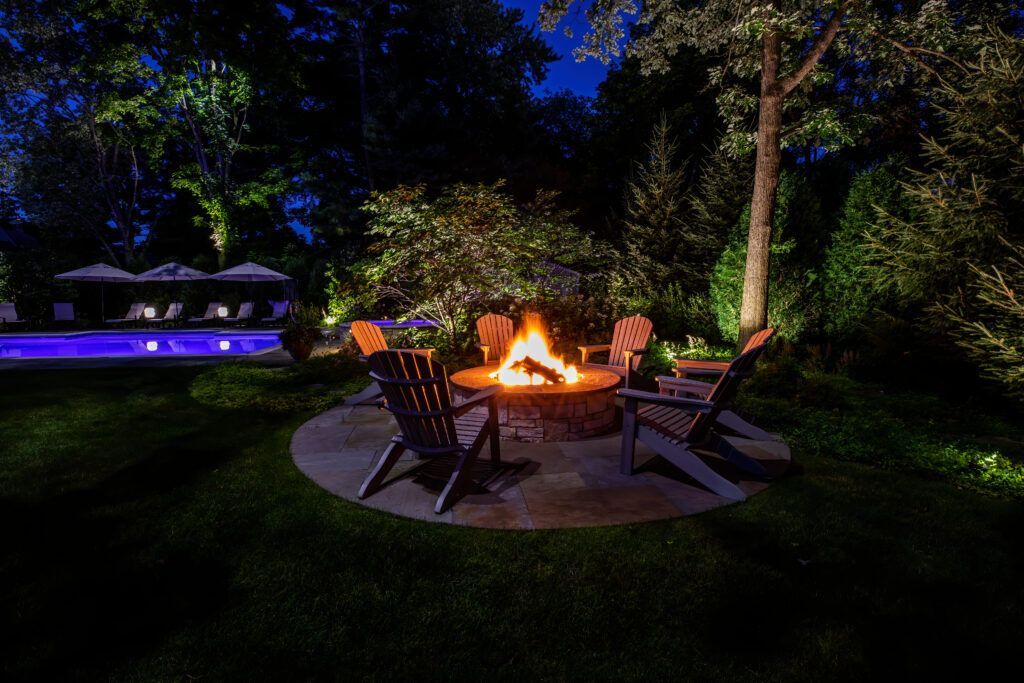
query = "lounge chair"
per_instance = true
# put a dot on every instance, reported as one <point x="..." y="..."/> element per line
<point x="244" y="313"/>
<point x="9" y="315"/>
<point x="629" y="341"/>
<point x="64" y="313"/>
<point x="418" y="394"/>
<point x="134" y="314"/>
<point x="279" y="309"/>
<point x="171" y="315"/>
<point x="684" y="431"/>
<point x="210" y="315"/>
<point x="370" y="340"/>
<point x="496" y="333"/>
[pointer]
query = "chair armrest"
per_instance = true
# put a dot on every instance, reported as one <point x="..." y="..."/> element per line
<point x="478" y="397"/>
<point x="687" y="386"/>
<point x="693" y="404"/>
<point x="700" y="367"/>
<point x="592" y="348"/>
<point x="422" y="352"/>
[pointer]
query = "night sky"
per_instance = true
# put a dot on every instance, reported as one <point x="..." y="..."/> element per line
<point x="580" y="77"/>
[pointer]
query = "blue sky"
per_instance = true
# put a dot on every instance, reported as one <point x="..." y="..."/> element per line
<point x="580" y="77"/>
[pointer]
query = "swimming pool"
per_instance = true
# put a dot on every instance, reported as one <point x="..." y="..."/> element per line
<point x="136" y="343"/>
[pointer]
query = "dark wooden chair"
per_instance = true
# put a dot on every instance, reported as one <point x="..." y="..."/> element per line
<point x="683" y="385"/>
<point x="686" y="367"/>
<point x="675" y="427"/>
<point x="417" y="394"/>
<point x="370" y="340"/>
<point x="629" y="341"/>
<point x="496" y="333"/>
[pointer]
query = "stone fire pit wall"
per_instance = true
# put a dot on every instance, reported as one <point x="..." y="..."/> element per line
<point x="565" y="413"/>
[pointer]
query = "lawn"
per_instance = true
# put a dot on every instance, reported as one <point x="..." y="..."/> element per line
<point x="153" y="531"/>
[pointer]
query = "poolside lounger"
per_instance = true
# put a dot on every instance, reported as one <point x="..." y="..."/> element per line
<point x="244" y="313"/>
<point x="9" y="316"/>
<point x="211" y="313"/>
<point x="64" y="313"/>
<point x="171" y="315"/>
<point x="134" y="314"/>
<point x="279" y="311"/>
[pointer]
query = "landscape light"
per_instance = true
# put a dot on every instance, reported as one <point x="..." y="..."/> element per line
<point x="151" y="345"/>
<point x="224" y="345"/>
<point x="222" y="312"/>
<point x="150" y="312"/>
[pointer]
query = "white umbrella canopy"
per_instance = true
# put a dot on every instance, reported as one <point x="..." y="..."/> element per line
<point x="171" y="272"/>
<point x="249" y="272"/>
<point x="101" y="273"/>
<point x="97" y="272"/>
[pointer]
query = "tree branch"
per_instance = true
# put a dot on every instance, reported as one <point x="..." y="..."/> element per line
<point x="821" y="44"/>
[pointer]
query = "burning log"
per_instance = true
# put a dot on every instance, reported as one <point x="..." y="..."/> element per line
<point x="532" y="367"/>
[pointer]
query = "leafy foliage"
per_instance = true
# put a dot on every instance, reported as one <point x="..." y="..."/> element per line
<point x="848" y="293"/>
<point x="445" y="257"/>
<point x="792" y="303"/>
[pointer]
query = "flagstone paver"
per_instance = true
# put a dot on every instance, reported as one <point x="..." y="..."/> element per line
<point x="538" y="486"/>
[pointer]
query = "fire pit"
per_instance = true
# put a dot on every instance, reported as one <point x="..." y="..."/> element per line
<point x="544" y="399"/>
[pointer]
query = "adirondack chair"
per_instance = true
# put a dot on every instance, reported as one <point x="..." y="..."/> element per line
<point x="682" y="385"/>
<point x="496" y="333"/>
<point x="629" y="341"/>
<point x="686" y="367"/>
<point x="417" y="394"/>
<point x="370" y="340"/>
<point x="675" y="427"/>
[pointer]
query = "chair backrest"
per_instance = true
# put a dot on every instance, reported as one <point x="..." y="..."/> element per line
<point x="369" y="337"/>
<point x="278" y="308"/>
<point x="211" y="309"/>
<point x="496" y="331"/>
<point x="244" y="310"/>
<point x="173" y="311"/>
<point x="759" y="338"/>
<point x="417" y="393"/>
<point x="630" y="333"/>
<point x="7" y="312"/>
<point x="63" y="312"/>
<point x="135" y="310"/>
<point x="724" y="391"/>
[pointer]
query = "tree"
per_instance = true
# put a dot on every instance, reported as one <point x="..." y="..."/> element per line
<point x="445" y="257"/>
<point x="780" y="42"/>
<point x="655" y="238"/>
<point x="214" y="103"/>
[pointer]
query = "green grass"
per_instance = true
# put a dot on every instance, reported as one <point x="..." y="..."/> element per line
<point x="150" y="535"/>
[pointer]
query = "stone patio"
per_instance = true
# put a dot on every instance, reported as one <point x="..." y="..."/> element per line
<point x="538" y="486"/>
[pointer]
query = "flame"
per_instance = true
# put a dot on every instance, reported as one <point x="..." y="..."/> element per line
<point x="535" y="345"/>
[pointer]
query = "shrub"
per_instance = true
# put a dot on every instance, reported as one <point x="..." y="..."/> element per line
<point x="792" y="304"/>
<point x="848" y="296"/>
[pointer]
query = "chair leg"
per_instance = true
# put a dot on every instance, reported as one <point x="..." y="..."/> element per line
<point x="493" y="435"/>
<point x="628" y="436"/>
<point x="456" y="483"/>
<point x="387" y="460"/>
<point x="691" y="464"/>
<point x="735" y="423"/>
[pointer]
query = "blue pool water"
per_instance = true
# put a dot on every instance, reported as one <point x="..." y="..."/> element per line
<point x="136" y="343"/>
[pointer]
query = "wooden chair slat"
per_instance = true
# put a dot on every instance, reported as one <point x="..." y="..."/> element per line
<point x="496" y="332"/>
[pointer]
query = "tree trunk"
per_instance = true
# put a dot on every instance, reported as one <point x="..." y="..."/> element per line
<point x="754" y="309"/>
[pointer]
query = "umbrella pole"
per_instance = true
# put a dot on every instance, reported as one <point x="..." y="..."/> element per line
<point x="103" y="304"/>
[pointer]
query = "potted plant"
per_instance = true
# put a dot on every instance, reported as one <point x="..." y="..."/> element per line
<point x="302" y="333"/>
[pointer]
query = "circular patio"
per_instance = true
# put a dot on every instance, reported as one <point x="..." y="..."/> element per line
<point x="538" y="486"/>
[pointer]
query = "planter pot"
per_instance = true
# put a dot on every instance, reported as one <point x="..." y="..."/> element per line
<point x="300" y="351"/>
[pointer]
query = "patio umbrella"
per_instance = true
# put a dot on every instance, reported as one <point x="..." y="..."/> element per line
<point x="172" y="272"/>
<point x="250" y="272"/>
<point x="101" y="273"/>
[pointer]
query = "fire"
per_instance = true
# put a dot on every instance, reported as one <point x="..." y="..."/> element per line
<point x="534" y="346"/>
